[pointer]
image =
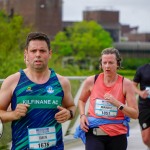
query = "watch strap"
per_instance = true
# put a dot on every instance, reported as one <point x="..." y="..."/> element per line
<point x="71" y="114"/>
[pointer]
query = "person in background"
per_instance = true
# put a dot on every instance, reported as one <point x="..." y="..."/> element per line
<point x="141" y="82"/>
<point x="40" y="99"/>
<point x="111" y="99"/>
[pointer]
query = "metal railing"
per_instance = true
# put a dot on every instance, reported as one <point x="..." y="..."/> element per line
<point x="1" y="80"/>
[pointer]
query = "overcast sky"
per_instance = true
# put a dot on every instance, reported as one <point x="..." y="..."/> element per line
<point x="132" y="12"/>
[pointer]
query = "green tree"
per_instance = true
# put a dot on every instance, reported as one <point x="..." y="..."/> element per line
<point x="83" y="39"/>
<point x="12" y="39"/>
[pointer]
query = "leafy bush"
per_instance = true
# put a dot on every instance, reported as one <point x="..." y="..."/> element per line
<point x="134" y="63"/>
<point x="12" y="38"/>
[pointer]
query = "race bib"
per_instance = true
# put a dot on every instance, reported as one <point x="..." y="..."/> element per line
<point x="104" y="108"/>
<point x="41" y="138"/>
<point x="148" y="90"/>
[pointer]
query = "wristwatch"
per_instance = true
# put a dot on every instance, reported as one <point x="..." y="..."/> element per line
<point x="71" y="114"/>
<point x="121" y="107"/>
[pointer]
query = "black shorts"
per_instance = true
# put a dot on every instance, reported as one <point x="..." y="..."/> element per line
<point x="144" y="114"/>
<point x="144" y="117"/>
<point x="105" y="142"/>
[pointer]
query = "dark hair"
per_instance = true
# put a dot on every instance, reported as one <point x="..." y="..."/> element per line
<point x="112" y="50"/>
<point x="37" y="36"/>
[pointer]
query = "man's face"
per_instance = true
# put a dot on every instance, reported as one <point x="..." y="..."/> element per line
<point x="109" y="63"/>
<point x="37" y="55"/>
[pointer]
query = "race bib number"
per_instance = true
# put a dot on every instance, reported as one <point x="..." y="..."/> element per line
<point x="148" y="90"/>
<point x="104" y="108"/>
<point x="41" y="138"/>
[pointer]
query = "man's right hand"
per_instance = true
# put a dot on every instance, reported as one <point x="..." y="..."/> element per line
<point x="20" y="111"/>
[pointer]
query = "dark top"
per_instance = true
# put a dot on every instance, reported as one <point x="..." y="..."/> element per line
<point x="142" y="77"/>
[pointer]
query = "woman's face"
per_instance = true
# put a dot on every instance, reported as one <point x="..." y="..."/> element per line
<point x="109" y="63"/>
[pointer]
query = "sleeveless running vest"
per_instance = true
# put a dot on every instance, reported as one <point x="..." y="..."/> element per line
<point x="99" y="108"/>
<point x="38" y="129"/>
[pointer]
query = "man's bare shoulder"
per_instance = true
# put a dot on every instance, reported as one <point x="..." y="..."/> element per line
<point x="62" y="79"/>
<point x="12" y="79"/>
<point x="13" y="76"/>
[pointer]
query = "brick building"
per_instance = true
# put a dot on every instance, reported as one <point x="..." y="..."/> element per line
<point x="140" y="37"/>
<point x="109" y="20"/>
<point x="43" y="15"/>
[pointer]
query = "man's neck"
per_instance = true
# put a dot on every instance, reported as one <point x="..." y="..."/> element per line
<point x="39" y="77"/>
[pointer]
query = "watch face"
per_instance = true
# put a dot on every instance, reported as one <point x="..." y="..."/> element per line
<point x="121" y="107"/>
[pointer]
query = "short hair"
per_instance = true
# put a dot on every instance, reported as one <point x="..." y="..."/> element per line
<point x="111" y="50"/>
<point x="37" y="36"/>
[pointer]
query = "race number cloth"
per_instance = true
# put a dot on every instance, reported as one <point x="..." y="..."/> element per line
<point x="40" y="138"/>
<point x="104" y="108"/>
<point x="148" y="90"/>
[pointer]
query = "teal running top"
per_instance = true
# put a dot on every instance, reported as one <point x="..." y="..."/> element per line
<point x="38" y="130"/>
